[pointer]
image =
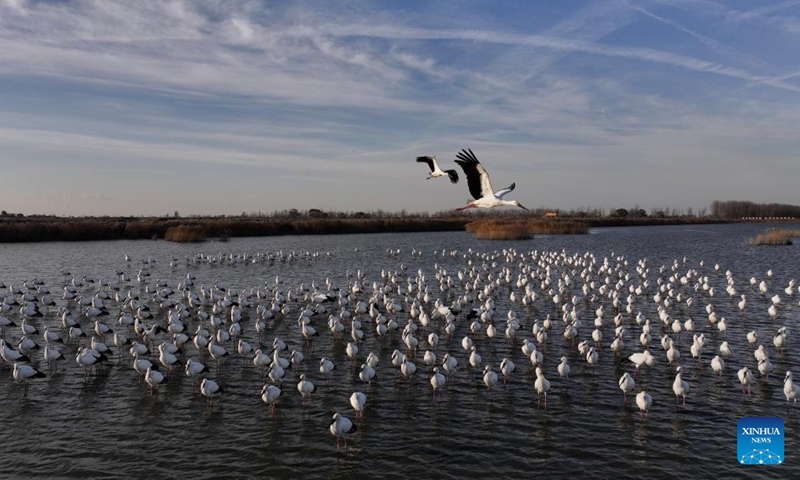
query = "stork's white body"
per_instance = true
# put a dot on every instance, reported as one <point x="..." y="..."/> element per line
<point x="480" y="187"/>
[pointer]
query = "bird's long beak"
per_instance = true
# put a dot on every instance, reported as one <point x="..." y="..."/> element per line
<point x="520" y="206"/>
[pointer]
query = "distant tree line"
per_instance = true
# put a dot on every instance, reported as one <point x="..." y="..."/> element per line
<point x="731" y="209"/>
<point x="739" y="209"/>
<point x="656" y="212"/>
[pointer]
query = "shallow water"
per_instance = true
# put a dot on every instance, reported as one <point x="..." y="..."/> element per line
<point x="108" y="425"/>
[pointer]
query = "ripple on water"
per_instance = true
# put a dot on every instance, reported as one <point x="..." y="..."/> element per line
<point x="108" y="426"/>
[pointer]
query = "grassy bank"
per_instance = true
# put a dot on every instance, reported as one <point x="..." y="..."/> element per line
<point x="187" y="229"/>
<point x="775" y="236"/>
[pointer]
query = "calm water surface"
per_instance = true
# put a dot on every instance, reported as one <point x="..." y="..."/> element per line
<point x="108" y="425"/>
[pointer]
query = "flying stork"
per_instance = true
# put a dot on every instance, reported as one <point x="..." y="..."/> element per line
<point x="479" y="185"/>
<point x="436" y="171"/>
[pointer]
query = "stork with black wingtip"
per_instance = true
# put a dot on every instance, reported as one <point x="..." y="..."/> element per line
<point x="479" y="185"/>
<point x="436" y="171"/>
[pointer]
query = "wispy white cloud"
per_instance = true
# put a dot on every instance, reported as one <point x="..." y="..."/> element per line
<point x="588" y="24"/>
<point x="760" y="12"/>
<point x="731" y="16"/>
<point x="712" y="44"/>
<point x="569" y="45"/>
<point x="196" y="149"/>
<point x="124" y="43"/>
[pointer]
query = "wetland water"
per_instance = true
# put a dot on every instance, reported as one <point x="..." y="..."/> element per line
<point x="108" y="425"/>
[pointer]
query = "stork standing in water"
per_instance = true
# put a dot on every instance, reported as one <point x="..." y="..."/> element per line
<point x="479" y="185"/>
<point x="436" y="171"/>
<point x="270" y="395"/>
<point x="23" y="373"/>
<point x="644" y="401"/>
<point x="340" y="427"/>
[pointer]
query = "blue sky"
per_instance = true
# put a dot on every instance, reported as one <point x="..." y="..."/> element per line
<point x="222" y="107"/>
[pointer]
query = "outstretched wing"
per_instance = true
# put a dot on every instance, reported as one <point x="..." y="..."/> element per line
<point x="428" y="160"/>
<point x="503" y="192"/>
<point x="453" y="175"/>
<point x="477" y="176"/>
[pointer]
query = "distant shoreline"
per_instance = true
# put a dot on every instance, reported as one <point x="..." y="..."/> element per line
<point x="47" y="228"/>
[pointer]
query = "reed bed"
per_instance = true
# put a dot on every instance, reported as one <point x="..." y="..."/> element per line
<point x="46" y="229"/>
<point x="775" y="236"/>
<point x="523" y="229"/>
<point x="50" y="228"/>
<point x="186" y="233"/>
<point x="499" y="229"/>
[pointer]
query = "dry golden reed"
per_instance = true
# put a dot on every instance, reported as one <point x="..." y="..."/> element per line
<point x="523" y="229"/>
<point x="186" y="233"/>
<point x="775" y="236"/>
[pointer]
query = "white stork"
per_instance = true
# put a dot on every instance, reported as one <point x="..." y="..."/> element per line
<point x="436" y="171"/>
<point x="479" y="185"/>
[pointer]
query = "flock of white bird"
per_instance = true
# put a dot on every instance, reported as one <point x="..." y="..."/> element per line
<point x="187" y="328"/>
